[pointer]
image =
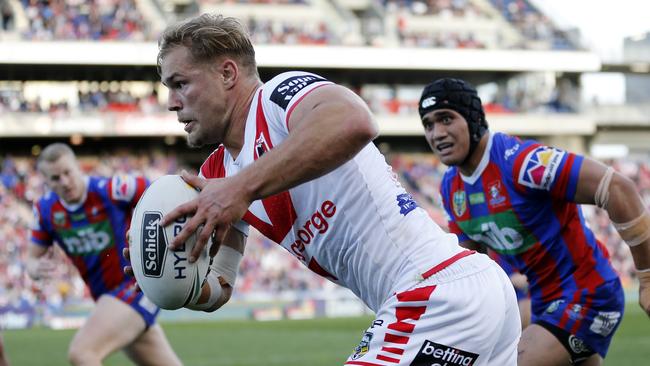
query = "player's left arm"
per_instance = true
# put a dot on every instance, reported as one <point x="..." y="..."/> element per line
<point x="126" y="190"/>
<point x="219" y="285"/>
<point x="600" y="185"/>
<point x="328" y="127"/>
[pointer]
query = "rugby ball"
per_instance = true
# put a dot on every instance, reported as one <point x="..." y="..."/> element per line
<point x="165" y="276"/>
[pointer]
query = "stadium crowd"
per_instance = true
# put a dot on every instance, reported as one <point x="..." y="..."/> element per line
<point x="266" y="269"/>
<point x="537" y="29"/>
<point x="382" y="99"/>
<point x="123" y="20"/>
<point x="85" y="20"/>
<point x="87" y="99"/>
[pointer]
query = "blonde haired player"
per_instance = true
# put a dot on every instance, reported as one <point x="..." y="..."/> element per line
<point x="295" y="160"/>
<point x="87" y="216"/>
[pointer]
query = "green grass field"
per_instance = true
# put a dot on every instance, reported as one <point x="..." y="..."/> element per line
<point x="321" y="342"/>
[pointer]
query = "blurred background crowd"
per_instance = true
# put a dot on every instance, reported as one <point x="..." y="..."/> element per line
<point x="458" y="23"/>
<point x="266" y="271"/>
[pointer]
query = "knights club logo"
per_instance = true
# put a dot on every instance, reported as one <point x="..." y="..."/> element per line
<point x="59" y="218"/>
<point x="460" y="203"/>
<point x="261" y="146"/>
<point x="496" y="196"/>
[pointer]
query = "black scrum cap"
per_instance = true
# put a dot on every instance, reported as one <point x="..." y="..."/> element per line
<point x="460" y="96"/>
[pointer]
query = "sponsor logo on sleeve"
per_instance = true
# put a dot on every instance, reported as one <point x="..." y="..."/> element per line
<point x="432" y="353"/>
<point x="540" y="166"/>
<point x="123" y="188"/>
<point x="406" y="203"/>
<point x="459" y="203"/>
<point x="286" y="90"/>
<point x="605" y="322"/>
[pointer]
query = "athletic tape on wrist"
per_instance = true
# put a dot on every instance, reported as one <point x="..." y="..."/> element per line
<point x="635" y="232"/>
<point x="601" y="197"/>
<point x="215" y="293"/>
<point x="226" y="264"/>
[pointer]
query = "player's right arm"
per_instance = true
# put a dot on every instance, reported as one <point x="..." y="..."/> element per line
<point x="584" y="180"/>
<point x="38" y="265"/>
<point x="220" y="282"/>
<point x="618" y="195"/>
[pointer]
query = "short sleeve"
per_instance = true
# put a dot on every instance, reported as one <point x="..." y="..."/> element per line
<point x="544" y="169"/>
<point x="39" y="233"/>
<point x="127" y="189"/>
<point x="284" y="92"/>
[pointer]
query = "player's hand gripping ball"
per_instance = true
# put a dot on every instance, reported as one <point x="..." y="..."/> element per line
<point x="165" y="276"/>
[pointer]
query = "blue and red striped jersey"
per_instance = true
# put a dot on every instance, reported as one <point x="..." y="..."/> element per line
<point x="518" y="203"/>
<point x="92" y="233"/>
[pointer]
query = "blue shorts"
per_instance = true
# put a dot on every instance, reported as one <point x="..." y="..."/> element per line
<point x="591" y="317"/>
<point x="136" y="299"/>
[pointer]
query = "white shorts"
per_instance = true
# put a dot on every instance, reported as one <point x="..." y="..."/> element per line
<point x="464" y="314"/>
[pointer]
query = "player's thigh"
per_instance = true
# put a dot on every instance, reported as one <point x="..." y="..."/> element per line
<point x="112" y="325"/>
<point x="508" y="333"/>
<point x="152" y="348"/>
<point x="434" y="321"/>
<point x="539" y="347"/>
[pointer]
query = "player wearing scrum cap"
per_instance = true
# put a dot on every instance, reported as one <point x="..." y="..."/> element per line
<point x="296" y="161"/>
<point x="520" y="199"/>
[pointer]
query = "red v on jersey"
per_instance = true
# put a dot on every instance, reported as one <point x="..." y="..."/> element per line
<point x="279" y="207"/>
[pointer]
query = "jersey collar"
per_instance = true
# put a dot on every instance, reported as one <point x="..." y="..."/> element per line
<point x="485" y="159"/>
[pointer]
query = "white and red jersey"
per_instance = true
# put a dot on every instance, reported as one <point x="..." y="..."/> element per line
<point x="356" y="225"/>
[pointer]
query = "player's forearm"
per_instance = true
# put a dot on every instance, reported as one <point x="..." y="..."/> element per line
<point x="31" y="266"/>
<point x="223" y="293"/>
<point x="631" y="219"/>
<point x="329" y="137"/>
<point x="35" y="254"/>
<point x="218" y="286"/>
